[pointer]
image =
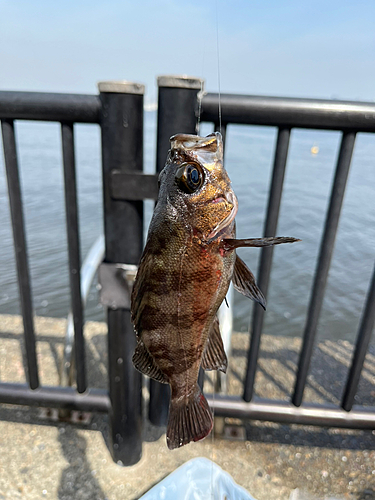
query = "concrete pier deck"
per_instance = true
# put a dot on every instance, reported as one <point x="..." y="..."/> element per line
<point x="40" y="458"/>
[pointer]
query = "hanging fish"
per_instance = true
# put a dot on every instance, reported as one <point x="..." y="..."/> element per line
<point x="183" y="277"/>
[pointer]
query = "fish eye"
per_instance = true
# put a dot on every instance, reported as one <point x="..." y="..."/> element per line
<point x="189" y="177"/>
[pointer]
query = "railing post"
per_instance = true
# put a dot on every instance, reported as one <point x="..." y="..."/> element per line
<point x="122" y="150"/>
<point x="177" y="113"/>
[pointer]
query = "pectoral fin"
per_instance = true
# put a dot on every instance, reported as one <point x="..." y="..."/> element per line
<point x="244" y="282"/>
<point x="232" y="244"/>
<point x="145" y="363"/>
<point x="214" y="357"/>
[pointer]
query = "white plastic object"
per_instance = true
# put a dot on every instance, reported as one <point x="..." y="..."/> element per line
<point x="198" y="479"/>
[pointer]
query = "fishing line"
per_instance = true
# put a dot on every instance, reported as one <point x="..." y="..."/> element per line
<point x="200" y="95"/>
<point x="201" y="92"/>
<point x="214" y="374"/>
<point x="218" y="61"/>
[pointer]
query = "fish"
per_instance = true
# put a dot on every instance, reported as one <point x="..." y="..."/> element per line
<point x="183" y="276"/>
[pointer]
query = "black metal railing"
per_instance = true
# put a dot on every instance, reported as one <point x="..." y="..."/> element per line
<point x="284" y="113"/>
<point x="66" y="109"/>
<point x="119" y="111"/>
<point x="122" y="149"/>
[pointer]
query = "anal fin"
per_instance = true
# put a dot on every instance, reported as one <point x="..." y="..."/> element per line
<point x="145" y="363"/>
<point x="214" y="357"/>
<point x="244" y="282"/>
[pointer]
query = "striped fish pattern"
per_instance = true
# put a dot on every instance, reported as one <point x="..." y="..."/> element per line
<point x="183" y="276"/>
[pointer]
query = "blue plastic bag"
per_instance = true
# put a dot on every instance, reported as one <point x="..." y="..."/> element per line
<point x="198" y="479"/>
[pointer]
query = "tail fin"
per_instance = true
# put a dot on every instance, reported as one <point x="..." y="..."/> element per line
<point x="189" y="420"/>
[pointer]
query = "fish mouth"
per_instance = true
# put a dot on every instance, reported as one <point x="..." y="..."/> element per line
<point x="219" y="199"/>
<point x="207" y="150"/>
<point x="211" y="142"/>
<point x="231" y="199"/>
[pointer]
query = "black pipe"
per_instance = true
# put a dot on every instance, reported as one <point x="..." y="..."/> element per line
<point x="279" y="411"/>
<point x="290" y="112"/>
<point x="122" y="150"/>
<point x="67" y="398"/>
<point x="50" y="107"/>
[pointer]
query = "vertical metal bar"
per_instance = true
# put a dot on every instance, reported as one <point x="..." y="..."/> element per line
<point x="18" y="226"/>
<point x="122" y="149"/>
<point x="72" y="228"/>
<point x="177" y="112"/>
<point x="363" y="340"/>
<point x="273" y="209"/>
<point x="324" y="260"/>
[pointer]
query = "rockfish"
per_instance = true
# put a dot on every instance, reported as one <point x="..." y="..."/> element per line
<point x="183" y="277"/>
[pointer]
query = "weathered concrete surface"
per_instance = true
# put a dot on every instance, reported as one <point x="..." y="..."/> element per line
<point x="43" y="459"/>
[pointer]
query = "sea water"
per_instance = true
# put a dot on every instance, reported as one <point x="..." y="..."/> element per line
<point x="248" y="159"/>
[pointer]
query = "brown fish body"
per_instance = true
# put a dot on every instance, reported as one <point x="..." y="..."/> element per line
<point x="184" y="274"/>
<point x="183" y="277"/>
<point x="186" y="282"/>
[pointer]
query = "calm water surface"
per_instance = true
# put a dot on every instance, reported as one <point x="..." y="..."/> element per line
<point x="248" y="157"/>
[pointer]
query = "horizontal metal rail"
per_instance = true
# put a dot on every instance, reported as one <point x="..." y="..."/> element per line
<point x="282" y="412"/>
<point x="290" y="112"/>
<point x="224" y="406"/>
<point x="55" y="397"/>
<point x="50" y="107"/>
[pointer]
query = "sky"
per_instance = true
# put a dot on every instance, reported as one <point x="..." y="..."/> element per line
<point x="296" y="48"/>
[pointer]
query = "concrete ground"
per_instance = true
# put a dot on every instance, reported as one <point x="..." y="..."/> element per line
<point x="40" y="458"/>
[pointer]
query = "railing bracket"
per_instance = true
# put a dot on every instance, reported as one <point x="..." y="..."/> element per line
<point x="60" y="415"/>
